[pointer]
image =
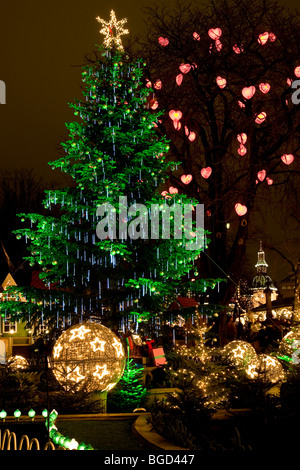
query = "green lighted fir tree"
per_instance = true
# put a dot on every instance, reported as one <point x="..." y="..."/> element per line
<point x="113" y="152"/>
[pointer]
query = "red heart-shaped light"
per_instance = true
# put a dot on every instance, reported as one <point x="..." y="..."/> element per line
<point x="221" y="82"/>
<point x="240" y="209"/>
<point x="186" y="179"/>
<point x="215" y="33"/>
<point x="248" y="92"/>
<point x="261" y="175"/>
<point x="163" y="41"/>
<point x="287" y="158"/>
<point x="206" y="172"/>
<point x="185" y="68"/>
<point x="264" y="87"/>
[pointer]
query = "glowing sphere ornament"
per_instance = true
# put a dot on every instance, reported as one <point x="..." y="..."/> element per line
<point x="269" y="369"/>
<point x="241" y="354"/>
<point x="17" y="363"/>
<point x="88" y="356"/>
<point x="289" y="346"/>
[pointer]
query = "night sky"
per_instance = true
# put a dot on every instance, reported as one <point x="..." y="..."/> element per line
<point x="43" y="45"/>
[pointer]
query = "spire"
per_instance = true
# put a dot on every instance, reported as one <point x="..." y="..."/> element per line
<point x="261" y="265"/>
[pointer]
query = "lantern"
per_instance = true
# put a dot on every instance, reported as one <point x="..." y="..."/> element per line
<point x="163" y="41"/>
<point x="186" y="179"/>
<point x="215" y="33"/>
<point x="248" y="92"/>
<point x="88" y="356"/>
<point x="262" y="38"/>
<point x="261" y="175"/>
<point x="221" y="82"/>
<point x="287" y="158"/>
<point x="206" y="172"/>
<point x="240" y="209"/>
<point x="185" y="68"/>
<point x="260" y="118"/>
<point x="264" y="87"/>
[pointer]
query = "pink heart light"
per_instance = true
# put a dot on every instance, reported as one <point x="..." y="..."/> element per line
<point x="269" y="181"/>
<point x="238" y="49"/>
<point x="262" y="38"/>
<point x="163" y="41"/>
<point x="240" y="209"/>
<point x="158" y="84"/>
<point x="173" y="190"/>
<point x="218" y="45"/>
<point x="272" y="37"/>
<point x="215" y="33"/>
<point x="221" y="82"/>
<point x="196" y="36"/>
<point x="192" y="136"/>
<point x="241" y="104"/>
<point x="186" y="179"/>
<point x="264" y="87"/>
<point x="248" y="92"/>
<point x="287" y="158"/>
<point x="185" y="68"/>
<point x="261" y="175"/>
<point x="206" y="172"/>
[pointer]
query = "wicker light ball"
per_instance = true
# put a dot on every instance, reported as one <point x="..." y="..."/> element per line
<point x="88" y="356"/>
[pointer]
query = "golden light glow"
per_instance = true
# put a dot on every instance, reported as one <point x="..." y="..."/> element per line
<point x="113" y="30"/>
<point x="88" y="356"/>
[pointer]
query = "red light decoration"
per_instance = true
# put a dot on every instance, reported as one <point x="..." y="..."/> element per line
<point x="192" y="136"/>
<point x="241" y="104"/>
<point x="215" y="33"/>
<point x="297" y="71"/>
<point x="196" y="36"/>
<point x="242" y="150"/>
<point x="176" y="116"/>
<point x="262" y="38"/>
<point x="206" y="172"/>
<point x="248" y="92"/>
<point x="221" y="82"/>
<point x="264" y="87"/>
<point x="261" y="175"/>
<point x="163" y="41"/>
<point x="179" y="79"/>
<point x="242" y="138"/>
<point x="287" y="158"/>
<point x="238" y="49"/>
<point x="269" y="181"/>
<point x="218" y="45"/>
<point x="173" y="190"/>
<point x="158" y="84"/>
<point x="186" y="179"/>
<point x="272" y="37"/>
<point x="240" y="209"/>
<point x="261" y="117"/>
<point x="154" y="104"/>
<point x="185" y="68"/>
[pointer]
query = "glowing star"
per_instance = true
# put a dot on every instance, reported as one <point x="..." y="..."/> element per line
<point x="57" y="350"/>
<point x="113" y="30"/>
<point x="98" y="345"/>
<point x="79" y="332"/>
<point x="103" y="372"/>
<point x="118" y="347"/>
<point x="74" y="374"/>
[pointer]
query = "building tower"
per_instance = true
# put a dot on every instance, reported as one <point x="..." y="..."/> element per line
<point x="261" y="281"/>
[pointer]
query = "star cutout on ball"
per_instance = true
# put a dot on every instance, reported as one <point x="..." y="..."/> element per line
<point x="113" y="30"/>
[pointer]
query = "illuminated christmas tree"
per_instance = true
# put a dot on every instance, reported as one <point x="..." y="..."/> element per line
<point x="93" y="244"/>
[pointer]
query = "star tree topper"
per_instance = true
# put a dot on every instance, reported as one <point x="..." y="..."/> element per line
<point x="113" y="30"/>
